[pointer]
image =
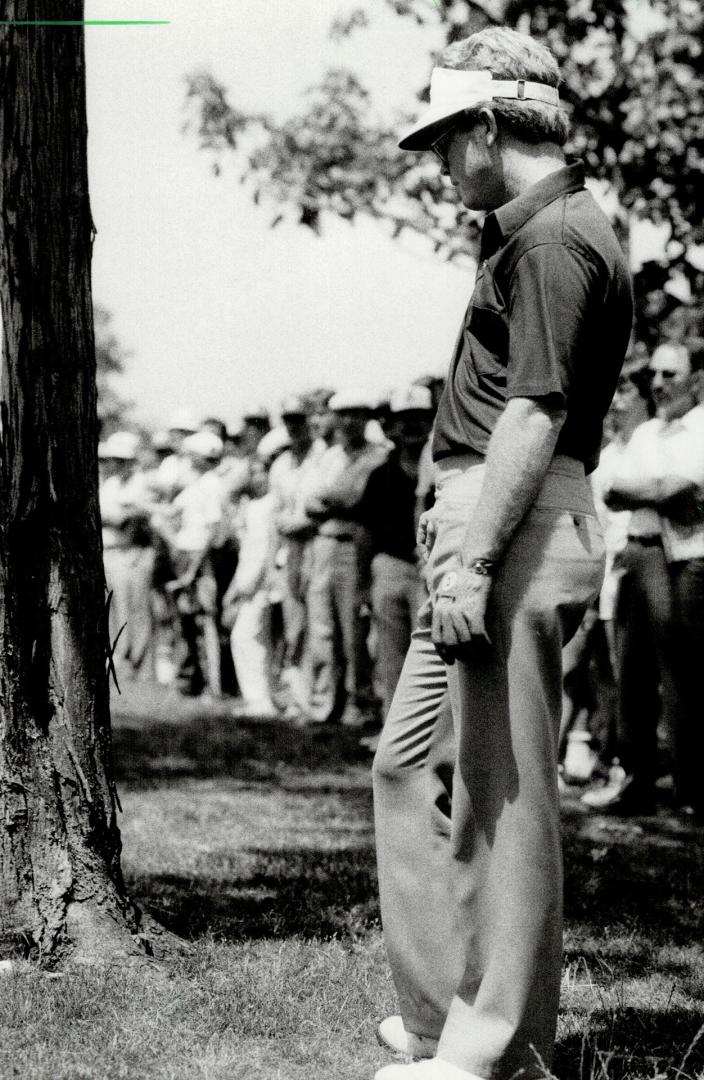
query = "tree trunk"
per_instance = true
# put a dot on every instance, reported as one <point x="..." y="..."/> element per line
<point x="61" y="888"/>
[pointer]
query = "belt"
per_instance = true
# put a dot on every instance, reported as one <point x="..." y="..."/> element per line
<point x="339" y="536"/>
<point x="646" y="541"/>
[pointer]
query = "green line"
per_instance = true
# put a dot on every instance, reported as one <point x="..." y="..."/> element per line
<point x="85" y="22"/>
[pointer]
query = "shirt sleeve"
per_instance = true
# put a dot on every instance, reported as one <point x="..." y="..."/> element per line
<point x="690" y="457"/>
<point x="552" y="296"/>
<point x="642" y="455"/>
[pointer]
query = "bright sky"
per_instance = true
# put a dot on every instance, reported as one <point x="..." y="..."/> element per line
<point x="216" y="307"/>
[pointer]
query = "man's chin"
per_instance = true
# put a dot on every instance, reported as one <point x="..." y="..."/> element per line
<point x="475" y="203"/>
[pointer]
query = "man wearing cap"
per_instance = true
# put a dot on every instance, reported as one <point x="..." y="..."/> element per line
<point x="192" y="525"/>
<point x="248" y="598"/>
<point x="467" y="812"/>
<point x="174" y="472"/>
<point x="338" y="595"/>
<point x="128" y="556"/>
<point x="255" y="425"/>
<point x="321" y="420"/>
<point x="390" y="510"/>
<point x="291" y="477"/>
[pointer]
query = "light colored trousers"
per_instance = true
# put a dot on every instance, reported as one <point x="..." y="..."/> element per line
<point x="338" y="626"/>
<point x="249" y="642"/>
<point x="129" y="573"/>
<point x="466" y="800"/>
<point x="294" y="584"/>
<point x="398" y="590"/>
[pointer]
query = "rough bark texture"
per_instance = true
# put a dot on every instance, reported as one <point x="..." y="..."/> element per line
<point x="61" y="889"/>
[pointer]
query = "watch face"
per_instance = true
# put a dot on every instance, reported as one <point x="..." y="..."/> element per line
<point x="448" y="581"/>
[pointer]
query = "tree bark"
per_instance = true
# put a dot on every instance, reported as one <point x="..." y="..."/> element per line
<point x="61" y="888"/>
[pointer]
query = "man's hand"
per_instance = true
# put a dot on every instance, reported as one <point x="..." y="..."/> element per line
<point x="425" y="534"/>
<point x="459" y="613"/>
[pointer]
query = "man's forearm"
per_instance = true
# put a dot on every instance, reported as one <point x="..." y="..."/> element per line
<point x="520" y="451"/>
<point x="634" y="493"/>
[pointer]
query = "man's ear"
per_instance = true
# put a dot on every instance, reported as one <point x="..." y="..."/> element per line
<point x="487" y="118"/>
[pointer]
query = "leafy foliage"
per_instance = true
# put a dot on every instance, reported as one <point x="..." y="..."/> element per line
<point x="634" y="83"/>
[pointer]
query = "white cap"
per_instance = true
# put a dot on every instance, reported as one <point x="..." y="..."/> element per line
<point x="679" y="288"/>
<point x="352" y="399"/>
<point x="411" y="399"/>
<point x="273" y="443"/>
<point x="183" y="420"/>
<point x="121" y="445"/>
<point x="254" y="410"/>
<point x="161" y="440"/>
<point x="294" y="405"/>
<point x="204" y="444"/>
<point x="452" y="92"/>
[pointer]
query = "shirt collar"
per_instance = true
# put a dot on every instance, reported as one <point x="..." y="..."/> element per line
<point x="507" y="219"/>
<point x="685" y="421"/>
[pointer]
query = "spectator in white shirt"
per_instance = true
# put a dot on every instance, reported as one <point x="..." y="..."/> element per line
<point x="590" y="661"/>
<point x="192" y="526"/>
<point x="339" y="600"/>
<point x="246" y="602"/>
<point x="292" y="476"/>
<point x="128" y="555"/>
<point x="174" y="472"/>
<point x="660" y="615"/>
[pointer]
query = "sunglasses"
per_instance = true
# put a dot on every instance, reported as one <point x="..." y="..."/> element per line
<point x="441" y="146"/>
<point x="665" y="373"/>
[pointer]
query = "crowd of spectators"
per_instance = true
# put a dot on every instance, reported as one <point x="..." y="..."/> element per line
<point x="275" y="563"/>
<point x="633" y="704"/>
<point x="276" y="566"/>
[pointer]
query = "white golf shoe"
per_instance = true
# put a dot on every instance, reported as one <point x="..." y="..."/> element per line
<point x="392" y="1034"/>
<point x="431" y="1069"/>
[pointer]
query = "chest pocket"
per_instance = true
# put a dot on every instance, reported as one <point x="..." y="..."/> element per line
<point x="486" y="331"/>
<point x="486" y="344"/>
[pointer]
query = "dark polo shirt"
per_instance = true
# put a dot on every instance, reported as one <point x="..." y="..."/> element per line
<point x="550" y="317"/>
<point x="388" y="509"/>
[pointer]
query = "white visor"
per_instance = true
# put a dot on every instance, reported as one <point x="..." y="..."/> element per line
<point x="451" y="92"/>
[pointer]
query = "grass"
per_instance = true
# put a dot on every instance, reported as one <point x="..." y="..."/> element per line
<point x="255" y="843"/>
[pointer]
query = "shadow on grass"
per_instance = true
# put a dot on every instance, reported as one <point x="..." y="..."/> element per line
<point x="206" y="746"/>
<point x="618" y="909"/>
<point x="643" y="877"/>
<point x="623" y="878"/>
<point x="288" y="892"/>
<point x="632" y="888"/>
<point x="628" y="1043"/>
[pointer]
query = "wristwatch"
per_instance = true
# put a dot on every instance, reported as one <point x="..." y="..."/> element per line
<point x="448" y="586"/>
<point x="483" y="567"/>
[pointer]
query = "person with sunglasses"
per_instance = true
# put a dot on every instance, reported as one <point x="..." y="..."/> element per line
<point x="659" y="612"/>
<point x="466" y="798"/>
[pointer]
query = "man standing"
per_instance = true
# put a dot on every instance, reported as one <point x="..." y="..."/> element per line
<point x="390" y="510"/>
<point x="660" y="610"/>
<point x="339" y="590"/>
<point x="292" y="474"/>
<point x="192" y="525"/>
<point x="128" y="556"/>
<point x="466" y="804"/>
